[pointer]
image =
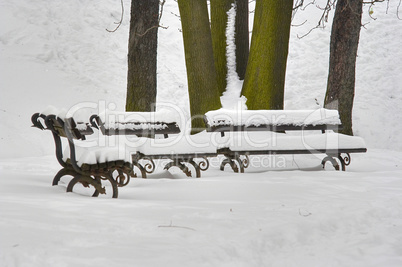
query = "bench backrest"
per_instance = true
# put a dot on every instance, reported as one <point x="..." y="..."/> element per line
<point x="62" y="127"/>
<point x="272" y="120"/>
<point x="141" y="124"/>
<point x="78" y="130"/>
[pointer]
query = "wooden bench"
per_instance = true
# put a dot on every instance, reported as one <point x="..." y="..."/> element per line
<point x="277" y="123"/>
<point x="88" y="165"/>
<point x="177" y="150"/>
<point x="141" y="124"/>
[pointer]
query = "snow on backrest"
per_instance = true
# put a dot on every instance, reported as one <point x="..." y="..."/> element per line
<point x="137" y="120"/>
<point x="248" y="118"/>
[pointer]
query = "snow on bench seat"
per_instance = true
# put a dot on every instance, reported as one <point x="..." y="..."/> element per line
<point x="256" y="118"/>
<point x="99" y="154"/>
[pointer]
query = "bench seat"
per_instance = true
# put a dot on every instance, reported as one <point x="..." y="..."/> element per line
<point x="244" y="142"/>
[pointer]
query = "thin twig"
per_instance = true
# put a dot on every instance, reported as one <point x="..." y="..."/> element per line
<point x="298" y="25"/>
<point x="121" y="18"/>
<point x="298" y="4"/>
<point x="175" y="226"/>
<point x="324" y="17"/>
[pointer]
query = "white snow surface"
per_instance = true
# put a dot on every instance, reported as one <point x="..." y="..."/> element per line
<point x="284" y="211"/>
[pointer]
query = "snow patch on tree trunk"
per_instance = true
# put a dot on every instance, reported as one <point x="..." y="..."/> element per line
<point x="231" y="97"/>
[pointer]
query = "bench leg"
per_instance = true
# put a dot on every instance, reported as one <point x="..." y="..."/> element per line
<point x="88" y="181"/>
<point x="196" y="167"/>
<point x="121" y="177"/>
<point x="231" y="161"/>
<point x="332" y="160"/>
<point x="203" y="165"/>
<point x="141" y="168"/>
<point x="344" y="160"/>
<point x="63" y="172"/>
<point x="150" y="166"/>
<point x="180" y="165"/>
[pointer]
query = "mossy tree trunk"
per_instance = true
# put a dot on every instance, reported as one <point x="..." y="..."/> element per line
<point x="219" y="19"/>
<point x="142" y="55"/>
<point x="342" y="61"/>
<point x="201" y="73"/>
<point x="264" y="82"/>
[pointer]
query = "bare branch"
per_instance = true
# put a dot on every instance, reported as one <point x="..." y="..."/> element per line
<point x="299" y="3"/>
<point x="161" y="12"/>
<point x="121" y="18"/>
<point x="324" y="17"/>
<point x="298" y="25"/>
<point x="370" y="11"/>
<point x="374" y="1"/>
<point x="175" y="226"/>
<point x="311" y="3"/>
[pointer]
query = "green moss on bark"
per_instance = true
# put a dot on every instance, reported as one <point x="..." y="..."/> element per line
<point x="265" y="76"/>
<point x="201" y="73"/>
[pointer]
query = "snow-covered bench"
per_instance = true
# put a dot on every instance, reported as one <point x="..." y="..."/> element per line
<point x="141" y="124"/>
<point x="179" y="150"/>
<point x="88" y="164"/>
<point x="312" y="133"/>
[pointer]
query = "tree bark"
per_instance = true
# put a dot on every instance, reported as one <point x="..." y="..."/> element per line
<point x="265" y="75"/>
<point x="219" y="20"/>
<point x="142" y="55"/>
<point x="201" y="73"/>
<point x="242" y="38"/>
<point x="342" y="61"/>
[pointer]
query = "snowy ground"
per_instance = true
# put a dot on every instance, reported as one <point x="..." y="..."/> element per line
<point x="58" y="52"/>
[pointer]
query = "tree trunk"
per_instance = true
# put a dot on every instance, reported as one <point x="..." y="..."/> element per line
<point x="142" y="54"/>
<point x="342" y="61"/>
<point x="219" y="20"/>
<point x="264" y="82"/>
<point x="242" y="39"/>
<point x="201" y="72"/>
